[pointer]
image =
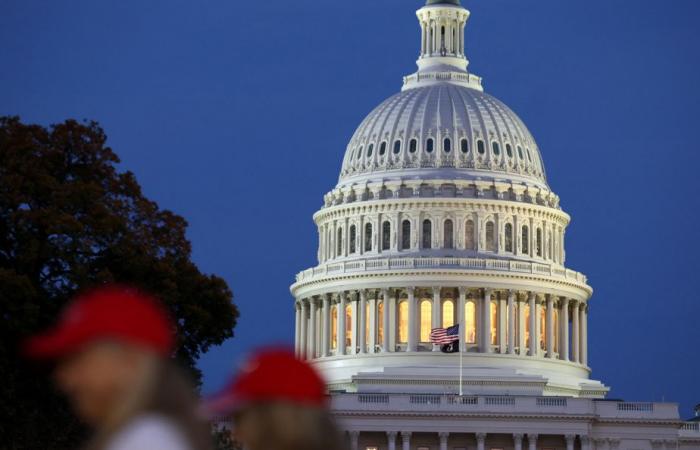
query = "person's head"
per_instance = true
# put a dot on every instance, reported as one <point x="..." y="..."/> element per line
<point x="278" y="402"/>
<point x="108" y="346"/>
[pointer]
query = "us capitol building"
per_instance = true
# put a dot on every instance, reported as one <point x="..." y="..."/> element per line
<point x="442" y="215"/>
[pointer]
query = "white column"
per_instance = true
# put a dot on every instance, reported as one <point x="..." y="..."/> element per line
<point x="461" y="319"/>
<point x="518" y="441"/>
<point x="341" y="324"/>
<point x="575" y="333"/>
<point x="362" y="316"/>
<point x="391" y="435"/>
<point x="436" y="310"/>
<point x="564" y="319"/>
<point x="297" y="329"/>
<point x="585" y="443"/>
<point x="533" y="325"/>
<point x="443" y="440"/>
<point x="386" y="342"/>
<point x="406" y="440"/>
<point x="511" y="322"/>
<point x="550" y="326"/>
<point x="354" y="334"/>
<point x="521" y="326"/>
<point x="354" y="440"/>
<point x="372" y="344"/>
<point x="480" y="441"/>
<point x="303" y="349"/>
<point x="312" y="329"/>
<point x="325" y="326"/>
<point x="412" y="321"/>
<point x="584" y="335"/>
<point x="486" y="322"/>
<point x="570" y="439"/>
<point x="532" y="441"/>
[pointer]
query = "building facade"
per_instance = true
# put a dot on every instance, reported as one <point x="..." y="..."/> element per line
<point x="442" y="215"/>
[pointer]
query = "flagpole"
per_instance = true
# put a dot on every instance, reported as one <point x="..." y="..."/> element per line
<point x="460" y="369"/>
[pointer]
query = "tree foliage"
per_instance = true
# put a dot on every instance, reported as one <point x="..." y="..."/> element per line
<point x="70" y="219"/>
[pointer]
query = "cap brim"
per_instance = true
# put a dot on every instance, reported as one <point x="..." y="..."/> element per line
<point x="53" y="344"/>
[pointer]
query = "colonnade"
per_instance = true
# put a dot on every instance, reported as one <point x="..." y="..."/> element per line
<point x="514" y="322"/>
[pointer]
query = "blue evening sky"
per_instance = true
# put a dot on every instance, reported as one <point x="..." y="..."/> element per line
<point x="235" y="114"/>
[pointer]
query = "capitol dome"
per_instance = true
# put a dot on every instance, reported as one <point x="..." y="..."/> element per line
<point x="442" y="217"/>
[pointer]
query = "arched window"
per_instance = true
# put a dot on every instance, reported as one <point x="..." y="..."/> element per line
<point x="334" y="327"/>
<point x="490" y="237"/>
<point x="494" y="322"/>
<point x="526" y="240"/>
<point x="464" y="146"/>
<point x="380" y="322"/>
<point x="470" y="322"/>
<point x="403" y="322"/>
<point x="447" y="145"/>
<point x="427" y="234"/>
<point x="520" y="152"/>
<point x="448" y="231"/>
<point x="348" y="326"/>
<point x="426" y="320"/>
<point x="370" y="149"/>
<point x="405" y="235"/>
<point x="413" y="146"/>
<point x="529" y="158"/>
<point x="448" y="313"/>
<point x="469" y="241"/>
<point x="382" y="148"/>
<point x="509" y="237"/>
<point x="496" y="148"/>
<point x="339" y="243"/>
<point x="368" y="237"/>
<point x="397" y="147"/>
<point x="429" y="145"/>
<point x="543" y="328"/>
<point x="359" y="152"/>
<point x="480" y="147"/>
<point x="386" y="235"/>
<point x="527" y="325"/>
<point x="539" y="242"/>
<point x="352" y="237"/>
<point x="509" y="150"/>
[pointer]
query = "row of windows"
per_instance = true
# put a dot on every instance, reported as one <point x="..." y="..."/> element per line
<point x="448" y="320"/>
<point x="446" y="147"/>
<point x="470" y="238"/>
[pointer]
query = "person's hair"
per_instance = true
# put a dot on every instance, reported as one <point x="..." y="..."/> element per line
<point x="164" y="391"/>
<point x="287" y="426"/>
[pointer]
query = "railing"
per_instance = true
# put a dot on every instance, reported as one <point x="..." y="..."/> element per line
<point x="500" y="401"/>
<point x="378" y="264"/>
<point x="373" y="398"/>
<point x="425" y="399"/>
<point x="635" y="407"/>
<point x="691" y="426"/>
<point x="551" y="401"/>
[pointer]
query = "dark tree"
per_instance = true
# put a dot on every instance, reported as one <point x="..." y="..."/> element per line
<point x="70" y="219"/>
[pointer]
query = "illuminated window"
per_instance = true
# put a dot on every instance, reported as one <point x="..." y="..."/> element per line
<point x="539" y="242"/>
<point x="427" y="234"/>
<point x="543" y="328"/>
<point x="509" y="237"/>
<point x="368" y="237"/>
<point x="448" y="313"/>
<point x="470" y="322"/>
<point x="403" y="322"/>
<point x="494" y="322"/>
<point x="380" y="321"/>
<point x="469" y="241"/>
<point x="334" y="327"/>
<point x="449" y="234"/>
<point x="480" y="147"/>
<point x="339" y="243"/>
<point x="447" y="145"/>
<point x="426" y="310"/>
<point x="526" y="240"/>
<point x="348" y="326"/>
<point x="367" y="314"/>
<point x="556" y="330"/>
<point x="527" y="325"/>
<point x="405" y="235"/>
<point x="429" y="145"/>
<point x="490" y="237"/>
<point x="352" y="238"/>
<point x="386" y="235"/>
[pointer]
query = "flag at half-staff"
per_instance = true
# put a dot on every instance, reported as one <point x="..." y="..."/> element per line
<point x="446" y="338"/>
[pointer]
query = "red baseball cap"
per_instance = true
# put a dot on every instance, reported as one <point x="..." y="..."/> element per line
<point x="271" y="375"/>
<point x="115" y="312"/>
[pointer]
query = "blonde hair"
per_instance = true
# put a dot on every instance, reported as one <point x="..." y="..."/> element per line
<point x="287" y="426"/>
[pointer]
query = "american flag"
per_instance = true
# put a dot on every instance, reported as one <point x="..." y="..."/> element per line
<point x="442" y="336"/>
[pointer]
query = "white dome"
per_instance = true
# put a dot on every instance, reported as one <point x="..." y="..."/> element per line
<point x="474" y="136"/>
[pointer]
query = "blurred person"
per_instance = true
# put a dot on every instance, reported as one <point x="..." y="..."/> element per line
<point x="112" y="347"/>
<point x="278" y="402"/>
